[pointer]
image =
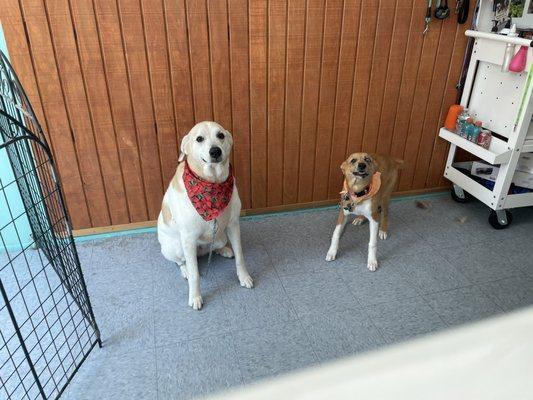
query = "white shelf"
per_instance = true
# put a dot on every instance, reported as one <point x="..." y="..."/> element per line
<point x="498" y="153"/>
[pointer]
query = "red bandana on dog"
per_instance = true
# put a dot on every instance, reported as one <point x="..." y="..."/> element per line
<point x="208" y="198"/>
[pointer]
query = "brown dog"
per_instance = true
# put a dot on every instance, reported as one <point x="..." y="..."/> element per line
<point x="369" y="180"/>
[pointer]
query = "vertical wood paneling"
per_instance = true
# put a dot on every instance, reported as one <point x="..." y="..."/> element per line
<point x="404" y="15"/>
<point x="328" y="84"/>
<point x="409" y="76"/>
<point x="293" y="97"/>
<point x="14" y="31"/>
<point x="433" y="107"/>
<point x="112" y="50"/>
<point x="258" y="25"/>
<point x="300" y="83"/>
<point x="199" y="59"/>
<point x="158" y="65"/>
<point x="350" y="28"/>
<point x="141" y="98"/>
<point x="363" y="69"/>
<point x="378" y="73"/>
<point x="240" y="88"/>
<point x="419" y="106"/>
<point x="314" y="30"/>
<point x="100" y="111"/>
<point x="439" y="153"/>
<point x="277" y="42"/>
<point x="220" y="65"/>
<point x="180" y="71"/>
<point x="55" y="112"/>
<point x="75" y="101"/>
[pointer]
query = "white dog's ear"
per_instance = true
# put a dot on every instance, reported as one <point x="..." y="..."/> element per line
<point x="230" y="137"/>
<point x="184" y="147"/>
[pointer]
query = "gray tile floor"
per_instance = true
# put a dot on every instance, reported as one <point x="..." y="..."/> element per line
<point x="435" y="273"/>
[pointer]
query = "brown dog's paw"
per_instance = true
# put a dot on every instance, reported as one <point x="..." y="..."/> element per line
<point x="383" y="234"/>
<point x="359" y="220"/>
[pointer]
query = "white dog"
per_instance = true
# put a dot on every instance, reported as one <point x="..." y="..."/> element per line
<point x="201" y="202"/>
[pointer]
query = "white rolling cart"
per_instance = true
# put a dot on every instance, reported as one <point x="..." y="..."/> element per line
<point x="502" y="101"/>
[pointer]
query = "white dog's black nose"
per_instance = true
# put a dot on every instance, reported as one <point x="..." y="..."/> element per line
<point x="215" y="152"/>
<point x="361" y="166"/>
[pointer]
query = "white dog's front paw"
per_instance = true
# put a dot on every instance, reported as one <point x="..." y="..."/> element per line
<point x="332" y="255"/>
<point x="246" y="281"/>
<point x="196" y="302"/>
<point x="372" y="265"/>
<point x="225" y="251"/>
<point x="382" y="234"/>
<point x="183" y="270"/>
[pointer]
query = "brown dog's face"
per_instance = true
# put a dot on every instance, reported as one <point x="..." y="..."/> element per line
<point x="358" y="168"/>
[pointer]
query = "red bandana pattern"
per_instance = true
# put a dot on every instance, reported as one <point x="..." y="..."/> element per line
<point x="208" y="198"/>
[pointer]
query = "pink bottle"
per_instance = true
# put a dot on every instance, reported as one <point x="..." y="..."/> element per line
<point x="518" y="63"/>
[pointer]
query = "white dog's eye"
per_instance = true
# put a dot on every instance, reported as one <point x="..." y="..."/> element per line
<point x="200" y="139"/>
<point x="367" y="159"/>
<point x="220" y="135"/>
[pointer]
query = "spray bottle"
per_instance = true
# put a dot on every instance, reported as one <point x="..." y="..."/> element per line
<point x="509" y="50"/>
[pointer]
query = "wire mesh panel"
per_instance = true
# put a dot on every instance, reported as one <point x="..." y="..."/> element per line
<point x="47" y="326"/>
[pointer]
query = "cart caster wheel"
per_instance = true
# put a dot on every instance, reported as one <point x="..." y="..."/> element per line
<point x="496" y="223"/>
<point x="465" y="199"/>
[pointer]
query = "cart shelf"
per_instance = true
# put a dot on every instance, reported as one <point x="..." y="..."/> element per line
<point x="498" y="153"/>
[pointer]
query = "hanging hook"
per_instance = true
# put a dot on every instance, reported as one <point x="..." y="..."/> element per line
<point x="458" y="5"/>
<point x="427" y="19"/>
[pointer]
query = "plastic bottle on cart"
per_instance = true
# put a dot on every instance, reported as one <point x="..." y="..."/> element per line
<point x="484" y="138"/>
<point x="461" y="123"/>
<point x="469" y="129"/>
<point x="475" y="131"/>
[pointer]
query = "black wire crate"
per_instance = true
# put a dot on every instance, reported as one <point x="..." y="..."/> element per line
<point x="47" y="325"/>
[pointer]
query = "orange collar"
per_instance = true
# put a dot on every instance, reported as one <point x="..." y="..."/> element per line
<point x="373" y="188"/>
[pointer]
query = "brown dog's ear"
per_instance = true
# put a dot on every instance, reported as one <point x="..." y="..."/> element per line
<point x="344" y="166"/>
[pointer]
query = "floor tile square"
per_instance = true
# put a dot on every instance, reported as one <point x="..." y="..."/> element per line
<point x="404" y="319"/>
<point x="462" y="305"/>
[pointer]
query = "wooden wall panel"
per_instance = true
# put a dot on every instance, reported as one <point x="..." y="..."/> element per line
<point x="258" y="48"/>
<point x="240" y="99"/>
<point x="296" y="13"/>
<point x="300" y="83"/>
<point x="326" y="103"/>
<point x="314" y="31"/>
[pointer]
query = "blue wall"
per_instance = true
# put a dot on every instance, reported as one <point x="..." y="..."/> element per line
<point x="11" y="239"/>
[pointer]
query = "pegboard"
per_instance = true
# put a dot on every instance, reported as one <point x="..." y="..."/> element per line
<point x="496" y="96"/>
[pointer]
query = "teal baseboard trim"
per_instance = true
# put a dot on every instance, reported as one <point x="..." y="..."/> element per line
<point x="129" y="232"/>
<point x="98" y="236"/>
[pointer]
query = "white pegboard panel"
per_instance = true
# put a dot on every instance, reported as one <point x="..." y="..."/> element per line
<point x="496" y="96"/>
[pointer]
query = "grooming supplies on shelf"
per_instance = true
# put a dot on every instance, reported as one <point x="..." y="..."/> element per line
<point x="460" y="127"/>
<point x="509" y="50"/>
<point x="470" y="129"/>
<point x="484" y="138"/>
<point x="518" y="62"/>
<point x="451" y="119"/>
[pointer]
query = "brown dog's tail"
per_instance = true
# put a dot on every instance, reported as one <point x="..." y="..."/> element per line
<point x="399" y="163"/>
